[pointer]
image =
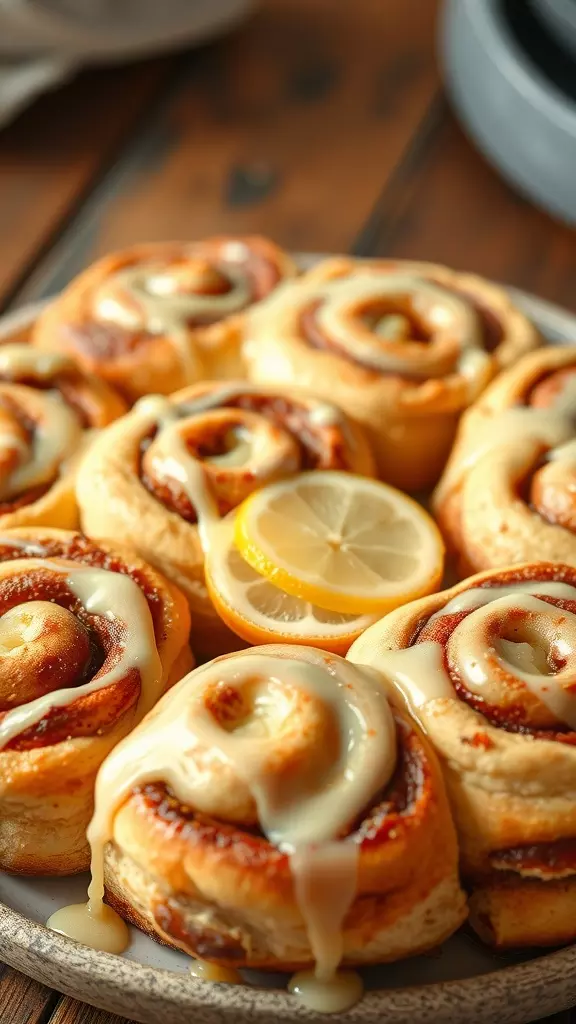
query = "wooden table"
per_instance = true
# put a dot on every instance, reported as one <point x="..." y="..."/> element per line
<point x="322" y="124"/>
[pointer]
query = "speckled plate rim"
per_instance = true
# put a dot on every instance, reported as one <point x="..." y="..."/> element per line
<point x="511" y="995"/>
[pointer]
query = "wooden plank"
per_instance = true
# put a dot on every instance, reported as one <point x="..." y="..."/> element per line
<point x="69" y="1011"/>
<point x="23" y="1001"/>
<point x="52" y="154"/>
<point x="290" y="127"/>
<point x="446" y="203"/>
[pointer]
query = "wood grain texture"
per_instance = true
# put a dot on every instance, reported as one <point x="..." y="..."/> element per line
<point x="290" y="127"/>
<point x="70" y="1011"/>
<point x="23" y="1001"/>
<point x="445" y="203"/>
<point x="51" y="156"/>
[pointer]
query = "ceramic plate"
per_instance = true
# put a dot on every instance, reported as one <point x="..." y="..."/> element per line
<point x="150" y="984"/>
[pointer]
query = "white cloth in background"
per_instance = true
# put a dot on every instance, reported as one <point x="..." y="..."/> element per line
<point x="42" y="42"/>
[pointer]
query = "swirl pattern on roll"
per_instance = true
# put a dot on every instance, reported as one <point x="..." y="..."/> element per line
<point x="488" y="668"/>
<point x="509" y="487"/>
<point x="90" y="637"/>
<point x="403" y="348"/>
<point x="275" y="811"/>
<point x="166" y="473"/>
<point x="47" y="407"/>
<point x="157" y="317"/>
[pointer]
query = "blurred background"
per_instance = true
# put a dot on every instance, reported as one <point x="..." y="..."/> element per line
<point x="409" y="128"/>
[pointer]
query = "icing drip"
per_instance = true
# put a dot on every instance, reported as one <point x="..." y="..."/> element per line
<point x="228" y="766"/>
<point x="214" y="972"/>
<point x="172" y="459"/>
<point x="256" y="446"/>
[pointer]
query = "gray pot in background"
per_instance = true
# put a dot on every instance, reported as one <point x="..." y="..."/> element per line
<point x="560" y="17"/>
<point x="519" y="119"/>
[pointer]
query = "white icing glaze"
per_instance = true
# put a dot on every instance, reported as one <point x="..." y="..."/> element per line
<point x="565" y="454"/>
<point x="335" y="995"/>
<point x="475" y="597"/>
<point x="117" y="597"/>
<point x="57" y="435"/>
<point x="101" y="929"/>
<point x="160" y="299"/>
<point x="27" y="546"/>
<point x="303" y="812"/>
<point x="173" y="460"/>
<point x="509" y="430"/>
<point x="514" y="428"/>
<point x="419" y="672"/>
<point x="215" y="972"/>
<point x="24" y="361"/>
<point x="257" y="448"/>
<point x="451" y="318"/>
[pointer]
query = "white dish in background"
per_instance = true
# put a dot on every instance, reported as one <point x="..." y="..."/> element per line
<point x="150" y="983"/>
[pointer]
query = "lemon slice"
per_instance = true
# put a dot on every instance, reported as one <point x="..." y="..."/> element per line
<point x="260" y="613"/>
<point x="340" y="541"/>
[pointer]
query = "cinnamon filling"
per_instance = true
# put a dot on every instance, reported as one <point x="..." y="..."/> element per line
<point x="549" y="390"/>
<point x="492" y="326"/>
<point x="80" y="549"/>
<point x="320" y="447"/>
<point x="26" y="498"/>
<point x="103" y="340"/>
<point x="207" y="943"/>
<point x="513" y="718"/>
<point x="28" y="426"/>
<point x="554" y="858"/>
<point x="66" y="385"/>
<point x="99" y="640"/>
<point x="416" y="330"/>
<point x="410" y="785"/>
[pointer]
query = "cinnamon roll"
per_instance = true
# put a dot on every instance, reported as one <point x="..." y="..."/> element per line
<point x="48" y="408"/>
<point x="402" y="347"/>
<point x="161" y="477"/>
<point x="509" y="489"/>
<point x="90" y="637"/>
<point x="488" y="669"/>
<point x="159" y="316"/>
<point x="275" y="811"/>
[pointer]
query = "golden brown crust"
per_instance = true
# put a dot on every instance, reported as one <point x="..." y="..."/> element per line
<point x="531" y="913"/>
<point x="410" y="413"/>
<point x="138" y="356"/>
<point x="508" y="762"/>
<point x="47" y="771"/>
<point x="501" y="503"/>
<point x="222" y="892"/>
<point x="121" y="497"/>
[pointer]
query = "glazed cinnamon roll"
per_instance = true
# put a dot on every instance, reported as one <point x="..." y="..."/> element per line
<point x="275" y="811"/>
<point x="402" y="347"/>
<point x="161" y="477"/>
<point x="488" y="669"/>
<point x="90" y="637"/>
<point x="48" y="407"/>
<point x="509" y="489"/>
<point x="156" y="317"/>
